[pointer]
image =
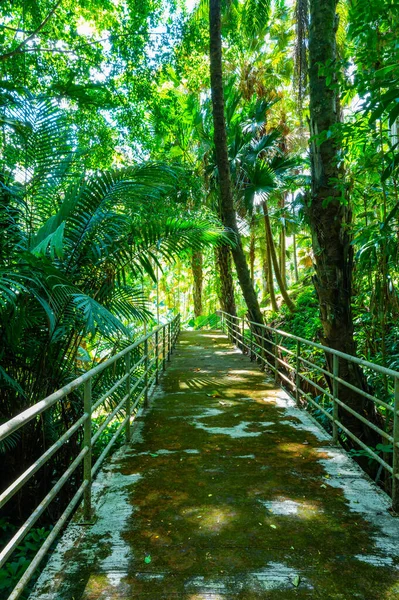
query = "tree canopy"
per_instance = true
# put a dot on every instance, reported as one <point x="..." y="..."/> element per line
<point x="163" y="156"/>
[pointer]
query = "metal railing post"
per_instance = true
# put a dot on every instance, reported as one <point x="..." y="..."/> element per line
<point x="127" y="428"/>
<point x="164" y="348"/>
<point x="262" y="350"/>
<point x="156" y="358"/>
<point x="335" y="395"/>
<point x="395" y="458"/>
<point x="243" y="333"/>
<point x="251" y="343"/>
<point x="87" y="444"/>
<point x="297" y="370"/>
<point x="275" y="359"/>
<point x="169" y="339"/>
<point x="146" y="361"/>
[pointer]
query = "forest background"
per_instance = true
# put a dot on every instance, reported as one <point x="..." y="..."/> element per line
<point x="114" y="197"/>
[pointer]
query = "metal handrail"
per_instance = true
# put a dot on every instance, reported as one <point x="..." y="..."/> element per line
<point x="153" y="359"/>
<point x="263" y="345"/>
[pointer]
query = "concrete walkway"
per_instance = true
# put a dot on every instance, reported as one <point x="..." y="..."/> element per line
<point x="227" y="492"/>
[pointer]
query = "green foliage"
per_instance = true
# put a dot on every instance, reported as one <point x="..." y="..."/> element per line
<point x="211" y="321"/>
<point x="305" y="321"/>
<point x="12" y="571"/>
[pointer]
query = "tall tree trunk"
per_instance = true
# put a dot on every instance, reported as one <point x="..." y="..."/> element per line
<point x="294" y="245"/>
<point x="222" y="161"/>
<point x="226" y="292"/>
<point x="295" y="258"/>
<point x="196" y="268"/>
<point x="283" y="253"/>
<point x="268" y="270"/>
<point x="265" y="276"/>
<point x="330" y="215"/>
<point x="252" y="250"/>
<point x="272" y="250"/>
<point x="283" y="249"/>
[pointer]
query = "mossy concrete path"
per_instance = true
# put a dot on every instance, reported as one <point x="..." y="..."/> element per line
<point x="227" y="492"/>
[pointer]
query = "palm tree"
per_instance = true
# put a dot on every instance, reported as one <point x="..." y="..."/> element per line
<point x="265" y="176"/>
<point x="222" y="161"/>
<point x="72" y="252"/>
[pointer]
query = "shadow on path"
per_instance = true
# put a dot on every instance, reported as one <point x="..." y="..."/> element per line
<point x="227" y="491"/>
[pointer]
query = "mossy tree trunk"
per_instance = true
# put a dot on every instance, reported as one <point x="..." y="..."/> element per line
<point x="268" y="274"/>
<point x="222" y="161"/>
<point x="330" y="214"/>
<point x="226" y="289"/>
<point x="196" y="268"/>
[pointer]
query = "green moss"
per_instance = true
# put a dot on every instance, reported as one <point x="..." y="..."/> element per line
<point x="204" y="518"/>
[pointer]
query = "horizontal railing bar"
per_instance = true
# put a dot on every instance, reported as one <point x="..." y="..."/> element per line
<point x="348" y="385"/>
<point x="282" y="361"/>
<point x="287" y="379"/>
<point x="45" y="457"/>
<point x="315" y="366"/>
<point x="108" y="447"/>
<point x="118" y="383"/>
<point x="354" y="359"/>
<point x="365" y="394"/>
<point x="349" y="357"/>
<point x="19" y="588"/>
<point x="137" y="400"/>
<point x="316" y="385"/>
<point x="18" y="483"/>
<point x="109" y="392"/>
<point x="309" y="399"/>
<point x="115" y="436"/>
<point x="342" y="355"/>
<point x="27" y="526"/>
<point x="108" y="420"/>
<point x="27" y="415"/>
<point x="232" y="316"/>
<point x="269" y="353"/>
<point x="365" y="447"/>
<point x="151" y="379"/>
<point x="284" y="349"/>
<point x="106" y="450"/>
<point x="364" y="420"/>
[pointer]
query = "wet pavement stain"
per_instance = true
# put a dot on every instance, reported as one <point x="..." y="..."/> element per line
<point x="227" y="491"/>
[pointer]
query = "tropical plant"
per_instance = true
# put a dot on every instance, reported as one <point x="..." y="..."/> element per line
<point x="74" y="248"/>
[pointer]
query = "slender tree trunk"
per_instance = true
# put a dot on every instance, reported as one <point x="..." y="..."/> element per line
<point x="330" y="215"/>
<point x="252" y="251"/>
<point x="270" y="244"/>
<point x="222" y="161"/>
<point x="265" y="276"/>
<point x="226" y="291"/>
<point x="283" y="248"/>
<point x="283" y="253"/>
<point x="196" y="268"/>
<point x="295" y="258"/>
<point x="269" y="276"/>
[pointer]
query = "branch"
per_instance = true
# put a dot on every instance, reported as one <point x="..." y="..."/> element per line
<point x="20" y="49"/>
